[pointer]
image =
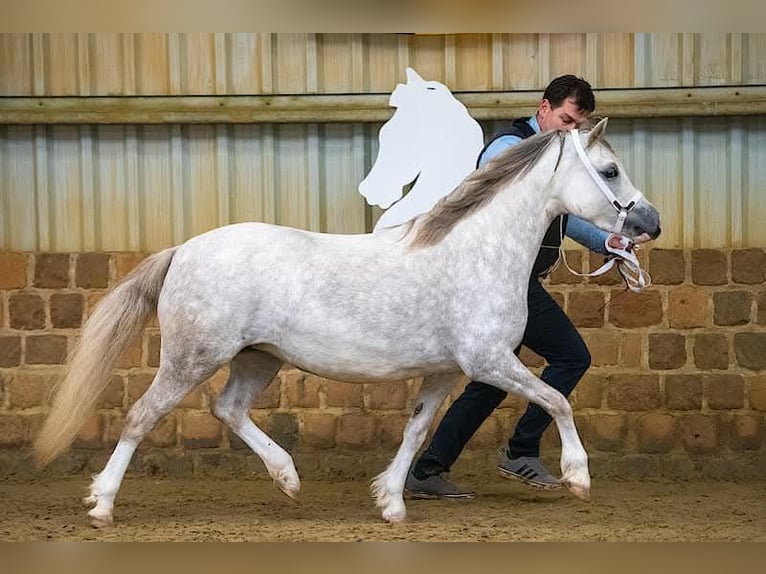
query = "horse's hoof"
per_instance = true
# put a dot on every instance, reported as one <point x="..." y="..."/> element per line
<point x="395" y="516"/>
<point x="291" y="492"/>
<point x="581" y="492"/>
<point x="101" y="521"/>
<point x="290" y="486"/>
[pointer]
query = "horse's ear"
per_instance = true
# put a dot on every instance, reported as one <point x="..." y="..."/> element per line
<point x="597" y="132"/>
<point x="412" y="76"/>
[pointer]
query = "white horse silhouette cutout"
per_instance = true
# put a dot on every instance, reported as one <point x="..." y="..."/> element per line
<point x="431" y="137"/>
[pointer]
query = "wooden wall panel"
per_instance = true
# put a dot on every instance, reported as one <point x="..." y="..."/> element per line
<point x="242" y="63"/>
<point x="16" y="64"/>
<point x="520" y="61"/>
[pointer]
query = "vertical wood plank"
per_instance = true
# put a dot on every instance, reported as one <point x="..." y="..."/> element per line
<point x="594" y="64"/>
<point x="39" y="63"/>
<point x="176" y="48"/>
<point x="16" y="68"/>
<point x="665" y="61"/>
<point x="336" y="70"/>
<point x="312" y="81"/>
<point x="426" y="57"/>
<point x="61" y="58"/>
<point x="713" y="59"/>
<point x="475" y="66"/>
<point x="450" y="78"/>
<point x="153" y="63"/>
<point x="498" y="64"/>
<point x="527" y="65"/>
<point x="220" y="60"/>
<point x="129" y="64"/>
<point x="290" y="63"/>
<point x="641" y="75"/>
<point x="266" y="51"/>
<point x="84" y="77"/>
<point x="359" y="79"/>
<point x="735" y="58"/>
<point x="107" y="64"/>
<point x="386" y="54"/>
<point x="567" y="54"/>
<point x="404" y="58"/>
<point x="755" y="61"/>
<point x="244" y="63"/>
<point x="545" y="73"/>
<point x="198" y="63"/>
<point x="616" y="60"/>
<point x="688" y="59"/>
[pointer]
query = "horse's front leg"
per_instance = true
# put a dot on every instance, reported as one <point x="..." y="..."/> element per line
<point x="509" y="374"/>
<point x="388" y="486"/>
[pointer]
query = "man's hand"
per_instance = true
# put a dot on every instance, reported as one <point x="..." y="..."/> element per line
<point x="617" y="241"/>
<point x="643" y="238"/>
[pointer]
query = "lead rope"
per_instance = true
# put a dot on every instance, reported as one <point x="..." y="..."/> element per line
<point x="623" y="258"/>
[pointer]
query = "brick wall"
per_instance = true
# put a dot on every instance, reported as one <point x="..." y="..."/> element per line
<point x="677" y="386"/>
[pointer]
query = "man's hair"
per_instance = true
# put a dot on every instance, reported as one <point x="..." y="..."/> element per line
<point x="570" y="86"/>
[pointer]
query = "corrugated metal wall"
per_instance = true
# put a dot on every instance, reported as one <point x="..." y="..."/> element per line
<point x="146" y="187"/>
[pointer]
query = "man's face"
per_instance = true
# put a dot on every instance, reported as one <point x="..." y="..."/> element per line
<point x="566" y="117"/>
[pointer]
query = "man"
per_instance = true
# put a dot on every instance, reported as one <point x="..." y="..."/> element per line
<point x="566" y="104"/>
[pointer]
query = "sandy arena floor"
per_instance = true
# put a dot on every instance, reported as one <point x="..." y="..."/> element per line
<point x="254" y="510"/>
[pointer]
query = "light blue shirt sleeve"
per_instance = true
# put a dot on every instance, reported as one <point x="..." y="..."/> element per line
<point x="497" y="146"/>
<point x="587" y="234"/>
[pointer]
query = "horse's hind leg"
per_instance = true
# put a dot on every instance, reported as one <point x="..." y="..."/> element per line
<point x="388" y="486"/>
<point x="170" y="385"/>
<point x="251" y="372"/>
<point x="574" y="459"/>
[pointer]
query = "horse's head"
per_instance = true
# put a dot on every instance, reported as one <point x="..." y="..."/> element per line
<point x="412" y="139"/>
<point x="597" y="187"/>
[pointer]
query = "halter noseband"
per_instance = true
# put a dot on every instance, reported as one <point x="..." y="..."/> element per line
<point x="622" y="210"/>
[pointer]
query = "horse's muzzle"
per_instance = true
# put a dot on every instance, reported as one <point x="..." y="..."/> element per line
<point x="643" y="218"/>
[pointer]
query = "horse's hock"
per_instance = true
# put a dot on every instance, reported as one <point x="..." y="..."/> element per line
<point x="677" y="386"/>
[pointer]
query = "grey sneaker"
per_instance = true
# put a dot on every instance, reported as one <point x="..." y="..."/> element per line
<point x="528" y="470"/>
<point x="436" y="486"/>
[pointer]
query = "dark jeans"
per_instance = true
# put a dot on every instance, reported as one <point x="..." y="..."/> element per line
<point x="551" y="335"/>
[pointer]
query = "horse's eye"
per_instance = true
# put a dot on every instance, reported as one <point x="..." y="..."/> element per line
<point x="611" y="172"/>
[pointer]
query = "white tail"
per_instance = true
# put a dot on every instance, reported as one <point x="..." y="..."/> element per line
<point x="116" y="322"/>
